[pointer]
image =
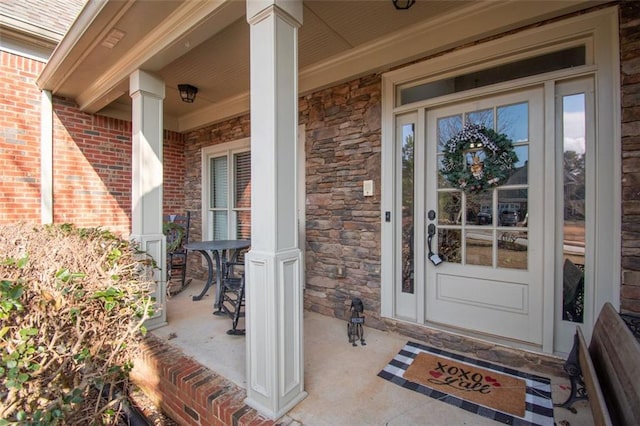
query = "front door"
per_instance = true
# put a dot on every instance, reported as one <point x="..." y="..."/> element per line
<point x="489" y="237"/>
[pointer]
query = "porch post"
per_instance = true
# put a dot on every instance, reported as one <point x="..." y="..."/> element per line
<point x="147" y="94"/>
<point x="274" y="265"/>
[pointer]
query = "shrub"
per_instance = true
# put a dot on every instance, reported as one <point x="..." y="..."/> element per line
<point x="72" y="305"/>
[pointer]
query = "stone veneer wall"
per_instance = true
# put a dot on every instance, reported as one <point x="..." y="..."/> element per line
<point x="227" y="131"/>
<point x="630" y="94"/>
<point x="342" y="126"/>
<point x="343" y="149"/>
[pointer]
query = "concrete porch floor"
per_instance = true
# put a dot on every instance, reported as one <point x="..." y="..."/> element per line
<point x="341" y="380"/>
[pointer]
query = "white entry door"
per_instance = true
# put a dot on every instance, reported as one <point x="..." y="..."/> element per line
<point x="489" y="239"/>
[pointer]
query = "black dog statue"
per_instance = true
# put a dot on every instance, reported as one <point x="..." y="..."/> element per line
<point x="354" y="327"/>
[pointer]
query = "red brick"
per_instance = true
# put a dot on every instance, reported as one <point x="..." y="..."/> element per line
<point x="79" y="140"/>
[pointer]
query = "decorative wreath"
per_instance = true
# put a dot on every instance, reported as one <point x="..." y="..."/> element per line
<point x="174" y="233"/>
<point x="477" y="158"/>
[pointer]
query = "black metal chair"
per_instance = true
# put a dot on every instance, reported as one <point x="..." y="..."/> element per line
<point x="232" y="294"/>
<point x="176" y="230"/>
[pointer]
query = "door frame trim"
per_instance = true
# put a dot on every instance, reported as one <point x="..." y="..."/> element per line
<point x="599" y="31"/>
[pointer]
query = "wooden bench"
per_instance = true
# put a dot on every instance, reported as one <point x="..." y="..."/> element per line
<point x="607" y="372"/>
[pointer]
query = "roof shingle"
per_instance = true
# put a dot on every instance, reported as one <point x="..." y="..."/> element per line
<point x="51" y="15"/>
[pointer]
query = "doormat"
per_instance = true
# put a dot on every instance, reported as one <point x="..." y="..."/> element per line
<point x="500" y="393"/>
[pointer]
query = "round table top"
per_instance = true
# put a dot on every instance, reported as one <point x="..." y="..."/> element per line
<point x="218" y="245"/>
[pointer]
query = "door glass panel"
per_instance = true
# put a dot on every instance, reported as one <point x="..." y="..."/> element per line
<point x="512" y="249"/>
<point x="447" y="128"/>
<point x="479" y="218"/>
<point x="520" y="173"/>
<point x="574" y="144"/>
<point x="479" y="247"/>
<point x="407" y="157"/>
<point x="513" y="121"/>
<point x="480" y="209"/>
<point x="483" y="117"/>
<point x="442" y="182"/>
<point x="566" y="58"/>
<point x="449" y="207"/>
<point x="513" y="207"/>
<point x="449" y="245"/>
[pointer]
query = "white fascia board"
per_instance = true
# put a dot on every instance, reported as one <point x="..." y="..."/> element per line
<point x="56" y="69"/>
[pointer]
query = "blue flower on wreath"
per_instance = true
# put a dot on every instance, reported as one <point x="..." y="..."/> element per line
<point x="477" y="158"/>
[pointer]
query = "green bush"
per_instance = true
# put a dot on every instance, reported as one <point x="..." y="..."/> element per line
<point x="72" y="305"/>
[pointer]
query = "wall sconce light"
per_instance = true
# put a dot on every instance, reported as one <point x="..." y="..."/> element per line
<point x="403" y="4"/>
<point x="187" y="92"/>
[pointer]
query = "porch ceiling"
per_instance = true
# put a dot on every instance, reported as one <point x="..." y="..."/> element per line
<point x="206" y="44"/>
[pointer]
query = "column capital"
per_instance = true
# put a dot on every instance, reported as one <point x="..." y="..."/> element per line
<point x="257" y="8"/>
<point x="142" y="81"/>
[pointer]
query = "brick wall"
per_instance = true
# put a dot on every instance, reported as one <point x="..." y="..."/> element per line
<point x="91" y="158"/>
<point x="174" y="171"/>
<point x="630" y="93"/>
<point x="190" y="393"/>
<point x="19" y="139"/>
<point x="92" y="169"/>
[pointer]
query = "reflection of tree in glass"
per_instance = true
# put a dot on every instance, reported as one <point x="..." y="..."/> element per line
<point x="408" y="158"/>
<point x="449" y="244"/>
<point x="482" y="117"/>
<point x="574" y="185"/>
<point x="449" y="206"/>
<point x="408" y="148"/>
<point x="447" y="128"/>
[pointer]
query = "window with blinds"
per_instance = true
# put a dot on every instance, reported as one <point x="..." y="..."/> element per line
<point x="229" y="215"/>
<point x="242" y="200"/>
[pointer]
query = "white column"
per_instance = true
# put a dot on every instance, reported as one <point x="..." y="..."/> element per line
<point x="274" y="265"/>
<point x="46" y="158"/>
<point x="147" y="94"/>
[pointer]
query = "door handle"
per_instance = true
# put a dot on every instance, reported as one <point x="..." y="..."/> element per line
<point x="431" y="231"/>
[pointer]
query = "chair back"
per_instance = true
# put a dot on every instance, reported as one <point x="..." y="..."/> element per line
<point x="176" y="230"/>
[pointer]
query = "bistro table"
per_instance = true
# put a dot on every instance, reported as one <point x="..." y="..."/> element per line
<point x="223" y="251"/>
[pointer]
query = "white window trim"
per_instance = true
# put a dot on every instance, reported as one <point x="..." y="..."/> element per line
<point x="600" y="30"/>
<point x="240" y="145"/>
